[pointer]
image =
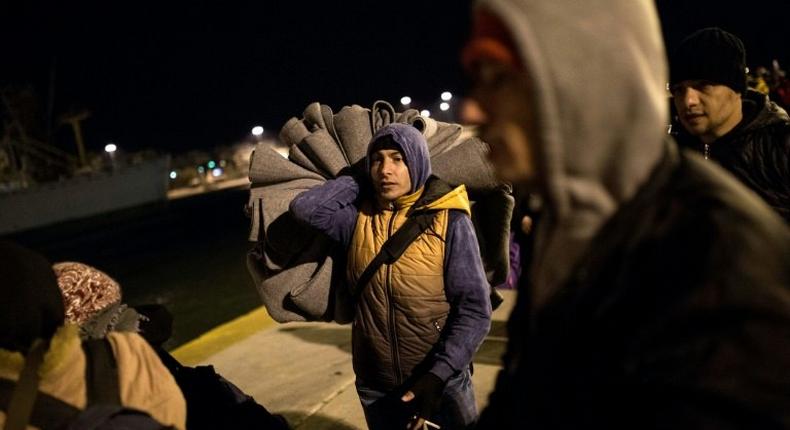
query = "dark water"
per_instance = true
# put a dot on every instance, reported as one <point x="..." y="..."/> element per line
<point x="186" y="254"/>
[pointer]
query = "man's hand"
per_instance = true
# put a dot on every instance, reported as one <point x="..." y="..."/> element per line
<point x="357" y="170"/>
<point x="361" y="177"/>
<point x="426" y="395"/>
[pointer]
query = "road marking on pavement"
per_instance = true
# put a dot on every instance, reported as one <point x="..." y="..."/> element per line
<point x="298" y="425"/>
<point x="215" y="340"/>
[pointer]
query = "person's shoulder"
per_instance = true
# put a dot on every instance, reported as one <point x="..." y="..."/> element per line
<point x="455" y="216"/>
<point x="145" y="382"/>
<point x="136" y="358"/>
<point x="762" y="153"/>
<point x="781" y="133"/>
<point x="461" y="229"/>
<point x="719" y="201"/>
<point x="138" y="365"/>
<point x="771" y="132"/>
<point x="130" y="346"/>
<point x="772" y="129"/>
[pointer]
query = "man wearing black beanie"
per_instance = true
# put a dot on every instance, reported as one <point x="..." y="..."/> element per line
<point x="738" y="127"/>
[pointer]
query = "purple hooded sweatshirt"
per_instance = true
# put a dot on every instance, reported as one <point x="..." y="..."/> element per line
<point x="333" y="207"/>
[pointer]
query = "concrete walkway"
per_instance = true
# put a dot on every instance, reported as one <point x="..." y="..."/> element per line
<point x="303" y="370"/>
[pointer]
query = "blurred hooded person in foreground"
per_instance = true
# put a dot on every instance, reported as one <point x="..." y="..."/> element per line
<point x="658" y="292"/>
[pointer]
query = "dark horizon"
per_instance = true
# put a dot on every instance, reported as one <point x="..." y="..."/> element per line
<point x="174" y="79"/>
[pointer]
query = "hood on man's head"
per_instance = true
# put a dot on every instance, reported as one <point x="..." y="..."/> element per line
<point x="412" y="145"/>
<point x="598" y="73"/>
<point x="598" y="78"/>
<point x="31" y="305"/>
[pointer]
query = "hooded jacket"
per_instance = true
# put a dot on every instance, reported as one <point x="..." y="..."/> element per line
<point x="430" y="310"/>
<point x="659" y="286"/>
<point x="757" y="151"/>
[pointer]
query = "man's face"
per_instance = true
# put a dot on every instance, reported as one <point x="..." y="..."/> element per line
<point x="501" y="106"/>
<point x="389" y="174"/>
<point x="705" y="109"/>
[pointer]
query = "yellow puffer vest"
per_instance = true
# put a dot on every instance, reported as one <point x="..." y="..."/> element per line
<point x="401" y="312"/>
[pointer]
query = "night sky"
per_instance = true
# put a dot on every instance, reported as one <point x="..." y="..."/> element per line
<point x="176" y="77"/>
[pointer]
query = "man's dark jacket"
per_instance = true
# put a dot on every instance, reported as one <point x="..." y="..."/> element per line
<point x="678" y="317"/>
<point x="757" y="151"/>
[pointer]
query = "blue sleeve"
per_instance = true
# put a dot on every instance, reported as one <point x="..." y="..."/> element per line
<point x="329" y="208"/>
<point x="468" y="292"/>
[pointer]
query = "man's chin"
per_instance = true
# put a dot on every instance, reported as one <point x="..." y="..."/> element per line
<point x="695" y="129"/>
<point x="389" y="197"/>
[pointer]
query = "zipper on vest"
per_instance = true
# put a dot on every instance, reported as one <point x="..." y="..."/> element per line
<point x="706" y="151"/>
<point x="391" y="311"/>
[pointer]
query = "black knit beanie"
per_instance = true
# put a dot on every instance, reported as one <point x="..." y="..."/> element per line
<point x="31" y="305"/>
<point x="710" y="54"/>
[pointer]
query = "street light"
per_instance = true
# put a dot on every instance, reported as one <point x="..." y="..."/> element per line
<point x="426" y="113"/>
<point x="173" y="174"/>
<point x="447" y="96"/>
<point x="444" y="106"/>
<point x="110" y="149"/>
<point x="257" y="130"/>
<point x="405" y="100"/>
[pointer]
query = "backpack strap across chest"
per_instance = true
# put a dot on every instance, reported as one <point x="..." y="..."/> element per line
<point x="101" y="373"/>
<point x="395" y="246"/>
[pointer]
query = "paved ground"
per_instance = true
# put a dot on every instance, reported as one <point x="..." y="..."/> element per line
<point x="303" y="370"/>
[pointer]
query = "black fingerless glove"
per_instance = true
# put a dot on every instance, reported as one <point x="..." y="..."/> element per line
<point x="356" y="170"/>
<point x="428" y="390"/>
